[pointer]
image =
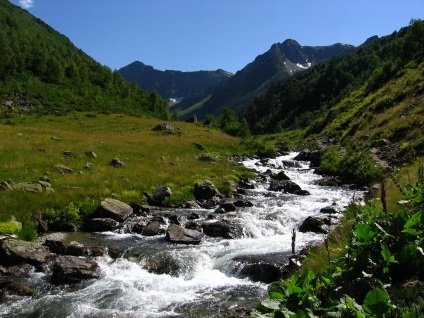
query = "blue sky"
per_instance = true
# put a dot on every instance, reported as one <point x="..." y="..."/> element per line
<point x="191" y="35"/>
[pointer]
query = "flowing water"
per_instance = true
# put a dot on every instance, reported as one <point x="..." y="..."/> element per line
<point x="207" y="278"/>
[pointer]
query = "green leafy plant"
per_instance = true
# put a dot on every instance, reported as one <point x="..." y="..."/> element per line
<point x="384" y="252"/>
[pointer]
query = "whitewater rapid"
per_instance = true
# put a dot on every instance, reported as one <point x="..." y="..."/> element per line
<point x="207" y="282"/>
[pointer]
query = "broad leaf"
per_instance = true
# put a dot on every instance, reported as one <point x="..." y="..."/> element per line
<point x="377" y="302"/>
<point x="273" y="304"/>
<point x="388" y="257"/>
<point x="364" y="234"/>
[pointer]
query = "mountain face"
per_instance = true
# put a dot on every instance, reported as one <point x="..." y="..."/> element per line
<point x="281" y="61"/>
<point x="372" y="97"/>
<point x="174" y="84"/>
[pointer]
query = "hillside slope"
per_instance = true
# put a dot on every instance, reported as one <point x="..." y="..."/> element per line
<point x="174" y="84"/>
<point x="280" y="62"/>
<point x="42" y="71"/>
<point x="371" y="97"/>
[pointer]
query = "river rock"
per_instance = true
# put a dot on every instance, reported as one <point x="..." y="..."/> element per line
<point x="55" y="245"/>
<point x="96" y="251"/>
<point x="113" y="209"/>
<point x="313" y="224"/>
<point x="224" y="229"/>
<point x="174" y="219"/>
<point x="193" y="226"/>
<point x="101" y="225"/>
<point x="73" y="269"/>
<point x="205" y="190"/>
<point x="179" y="235"/>
<point x="228" y="206"/>
<point x="302" y="192"/>
<point x="162" y="263"/>
<point x="138" y="227"/>
<point x="285" y="186"/>
<point x="10" y="288"/>
<point x="329" y="181"/>
<point x="331" y="209"/>
<point x="21" y="270"/>
<point x="14" y="252"/>
<point x="210" y="203"/>
<point x="193" y="216"/>
<point x="314" y="157"/>
<point x="152" y="228"/>
<point x="243" y="203"/>
<point x="259" y="271"/>
<point x="191" y="205"/>
<point x="246" y="184"/>
<point x="280" y="176"/>
<point x="76" y="249"/>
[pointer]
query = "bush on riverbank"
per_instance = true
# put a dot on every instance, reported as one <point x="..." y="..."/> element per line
<point x="354" y="167"/>
<point x="380" y="275"/>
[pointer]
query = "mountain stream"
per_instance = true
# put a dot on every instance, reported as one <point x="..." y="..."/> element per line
<point x="208" y="278"/>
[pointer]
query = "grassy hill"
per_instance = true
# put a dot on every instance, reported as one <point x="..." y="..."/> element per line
<point x="42" y="71"/>
<point x="32" y="146"/>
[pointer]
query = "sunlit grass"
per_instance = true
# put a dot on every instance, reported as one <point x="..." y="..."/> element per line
<point x="31" y="146"/>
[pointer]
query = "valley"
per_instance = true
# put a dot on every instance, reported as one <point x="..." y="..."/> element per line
<point x="113" y="206"/>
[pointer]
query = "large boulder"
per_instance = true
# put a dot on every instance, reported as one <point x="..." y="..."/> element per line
<point x="179" y="235"/>
<point x="285" y="186"/>
<point x="113" y="209"/>
<point x="314" y="157"/>
<point x="101" y="225"/>
<point x="261" y="271"/>
<point x="162" y="263"/>
<point x="205" y="190"/>
<point x="313" y="224"/>
<point x="331" y="209"/>
<point x="161" y="194"/>
<point x="13" y="251"/>
<point x="222" y="229"/>
<point x="152" y="228"/>
<point x="280" y="176"/>
<point x="73" y="269"/>
<point x="228" y="206"/>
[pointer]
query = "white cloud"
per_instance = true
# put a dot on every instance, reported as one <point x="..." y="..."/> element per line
<point x="26" y="4"/>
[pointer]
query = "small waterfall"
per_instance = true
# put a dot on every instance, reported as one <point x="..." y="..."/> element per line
<point x="156" y="279"/>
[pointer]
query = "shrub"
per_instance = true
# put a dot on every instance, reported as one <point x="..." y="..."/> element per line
<point x="73" y="213"/>
<point x="11" y="227"/>
<point x="357" y="167"/>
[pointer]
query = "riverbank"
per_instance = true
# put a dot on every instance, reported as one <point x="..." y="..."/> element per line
<point x="199" y="280"/>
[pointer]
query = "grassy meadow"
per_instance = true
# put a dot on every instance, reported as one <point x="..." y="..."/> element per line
<point x="32" y="146"/>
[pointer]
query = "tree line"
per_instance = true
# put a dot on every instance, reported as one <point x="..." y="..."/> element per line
<point x="38" y="62"/>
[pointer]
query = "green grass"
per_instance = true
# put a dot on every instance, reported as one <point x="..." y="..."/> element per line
<point x="30" y="149"/>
